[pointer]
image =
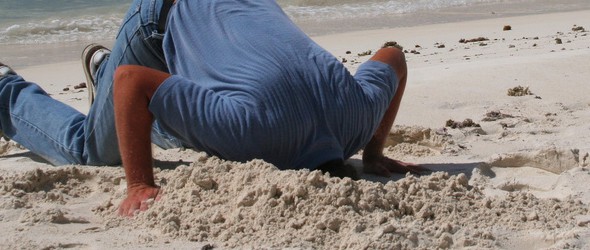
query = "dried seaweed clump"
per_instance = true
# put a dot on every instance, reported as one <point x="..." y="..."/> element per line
<point x="519" y="91"/>
<point x="558" y="41"/>
<point x="479" y="39"/>
<point x="392" y="44"/>
<point x="578" y="28"/>
<point x="464" y="124"/>
<point x="366" y="53"/>
<point x="495" y="115"/>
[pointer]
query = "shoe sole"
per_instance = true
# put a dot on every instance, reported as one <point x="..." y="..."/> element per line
<point x="86" y="57"/>
<point x="9" y="71"/>
<point x="2" y="136"/>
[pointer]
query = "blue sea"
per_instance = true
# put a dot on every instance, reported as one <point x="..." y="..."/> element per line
<point x="57" y="23"/>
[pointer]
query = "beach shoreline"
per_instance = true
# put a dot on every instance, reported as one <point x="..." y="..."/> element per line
<point x="440" y="16"/>
<point x="516" y="181"/>
<point x="23" y="55"/>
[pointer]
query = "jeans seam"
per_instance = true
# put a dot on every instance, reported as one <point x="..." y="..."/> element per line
<point x="153" y="14"/>
<point x="110" y="87"/>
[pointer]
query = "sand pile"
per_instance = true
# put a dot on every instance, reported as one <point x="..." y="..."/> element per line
<point x="254" y="204"/>
<point x="229" y="204"/>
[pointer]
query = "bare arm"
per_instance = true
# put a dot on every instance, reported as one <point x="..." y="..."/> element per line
<point x="133" y="88"/>
<point x="373" y="159"/>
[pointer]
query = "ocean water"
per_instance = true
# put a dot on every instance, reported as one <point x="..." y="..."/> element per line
<point x="63" y="27"/>
<point x="59" y="21"/>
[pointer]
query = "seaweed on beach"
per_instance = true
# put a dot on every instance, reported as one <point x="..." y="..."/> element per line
<point x="366" y="53"/>
<point x="495" y="115"/>
<point x="392" y="44"/>
<point x="558" y="41"/>
<point x="519" y="91"/>
<point x="578" y="28"/>
<point x="464" y="124"/>
<point x="478" y="39"/>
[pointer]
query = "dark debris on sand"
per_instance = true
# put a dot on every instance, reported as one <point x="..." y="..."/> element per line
<point x="495" y="115"/>
<point x="464" y="124"/>
<point x="578" y="28"/>
<point x="478" y="39"/>
<point x="81" y="85"/>
<point x="366" y="53"/>
<point x="519" y="91"/>
<point x="393" y="44"/>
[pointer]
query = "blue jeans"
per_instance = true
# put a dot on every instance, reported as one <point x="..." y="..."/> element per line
<point x="61" y="134"/>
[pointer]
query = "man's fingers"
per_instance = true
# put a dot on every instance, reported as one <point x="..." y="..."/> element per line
<point x="127" y="211"/>
<point x="404" y="167"/>
<point x="421" y="169"/>
<point x="382" y="171"/>
<point x="410" y="168"/>
<point x="122" y="210"/>
<point x="397" y="166"/>
<point x="146" y="204"/>
<point x="138" y="200"/>
<point x="132" y="209"/>
<point x="416" y="169"/>
<point x="377" y="170"/>
<point x="128" y="208"/>
<point x="386" y="166"/>
<point x="159" y="194"/>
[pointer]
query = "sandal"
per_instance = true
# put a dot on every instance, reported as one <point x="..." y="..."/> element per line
<point x="92" y="57"/>
<point x="4" y="71"/>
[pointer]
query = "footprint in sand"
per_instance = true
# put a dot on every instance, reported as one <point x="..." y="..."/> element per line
<point x="4" y="147"/>
<point x="7" y="146"/>
<point x="550" y="159"/>
<point x="418" y="141"/>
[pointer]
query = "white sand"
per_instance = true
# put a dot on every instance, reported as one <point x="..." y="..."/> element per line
<point x="520" y="181"/>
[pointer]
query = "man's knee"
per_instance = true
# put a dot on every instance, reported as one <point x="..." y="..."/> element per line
<point x="127" y="73"/>
<point x="395" y="58"/>
<point x="127" y="79"/>
<point x="400" y="64"/>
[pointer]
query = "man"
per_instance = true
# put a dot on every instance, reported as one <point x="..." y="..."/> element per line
<point x="246" y="83"/>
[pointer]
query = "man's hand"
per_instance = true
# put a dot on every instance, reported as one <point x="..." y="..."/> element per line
<point x="137" y="197"/>
<point x="133" y="89"/>
<point x="383" y="166"/>
<point x="373" y="160"/>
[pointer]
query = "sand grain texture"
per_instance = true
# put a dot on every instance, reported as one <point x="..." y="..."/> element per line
<point x="518" y="181"/>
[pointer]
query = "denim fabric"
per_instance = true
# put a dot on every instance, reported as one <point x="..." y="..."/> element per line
<point x="29" y="116"/>
<point x="138" y="43"/>
<point x="62" y="135"/>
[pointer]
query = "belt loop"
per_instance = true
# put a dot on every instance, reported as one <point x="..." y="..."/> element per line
<point x="166" y="5"/>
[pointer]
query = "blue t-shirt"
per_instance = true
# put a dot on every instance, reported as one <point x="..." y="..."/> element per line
<point x="249" y="84"/>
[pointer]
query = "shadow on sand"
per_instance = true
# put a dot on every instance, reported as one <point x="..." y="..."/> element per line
<point x="451" y="168"/>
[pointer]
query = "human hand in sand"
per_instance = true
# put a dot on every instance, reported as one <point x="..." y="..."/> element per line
<point x="134" y="87"/>
<point x="373" y="159"/>
<point x="384" y="166"/>
<point x="137" y="199"/>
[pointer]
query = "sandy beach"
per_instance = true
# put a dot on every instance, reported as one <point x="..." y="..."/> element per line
<point x="497" y="108"/>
